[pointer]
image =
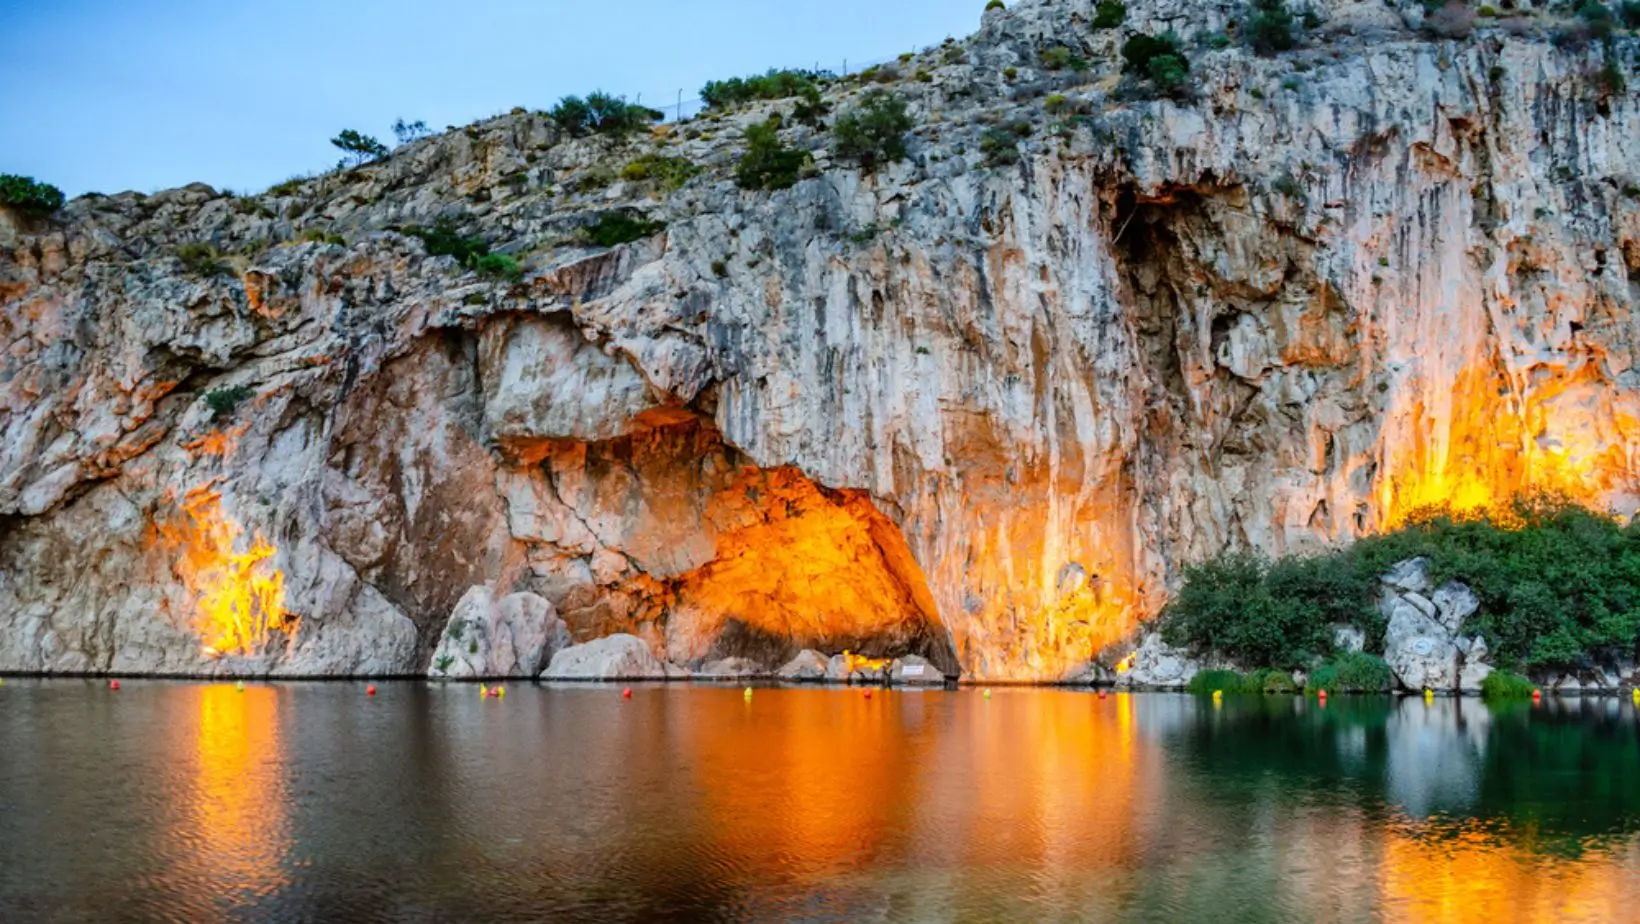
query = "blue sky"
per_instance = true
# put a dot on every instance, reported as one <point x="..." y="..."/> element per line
<point x="100" y="95"/>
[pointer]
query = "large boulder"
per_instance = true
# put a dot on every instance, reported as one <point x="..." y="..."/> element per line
<point x="1424" y="643"/>
<point x="614" y="657"/>
<point x="844" y="669"/>
<point x="1417" y="647"/>
<point x="1156" y="665"/>
<point x="809" y="666"/>
<point x="913" y="671"/>
<point x="515" y="636"/>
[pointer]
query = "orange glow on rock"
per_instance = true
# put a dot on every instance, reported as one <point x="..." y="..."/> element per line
<point x="1489" y="440"/>
<point x="239" y="595"/>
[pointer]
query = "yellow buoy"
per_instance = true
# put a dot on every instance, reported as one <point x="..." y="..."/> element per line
<point x="483" y="691"/>
<point x="1429" y="695"/>
<point x="1637" y="696"/>
<point x="240" y="686"/>
<point x="987" y="692"/>
<point x="748" y="692"/>
<point x="501" y="692"/>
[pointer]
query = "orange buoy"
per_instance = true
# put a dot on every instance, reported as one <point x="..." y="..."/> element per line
<point x="868" y="694"/>
<point x="626" y="693"/>
<point x="1321" y="695"/>
<point x="1537" y="696"/>
<point x="113" y="684"/>
<point x="370" y="690"/>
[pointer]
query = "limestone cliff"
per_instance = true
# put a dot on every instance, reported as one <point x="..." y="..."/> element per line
<point x="970" y="407"/>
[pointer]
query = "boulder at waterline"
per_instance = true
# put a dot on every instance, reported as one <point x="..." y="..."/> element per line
<point x="515" y="636"/>
<point x="809" y="666"/>
<point x="614" y="657"/>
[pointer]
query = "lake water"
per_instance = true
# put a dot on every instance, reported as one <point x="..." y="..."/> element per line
<point x="194" y="802"/>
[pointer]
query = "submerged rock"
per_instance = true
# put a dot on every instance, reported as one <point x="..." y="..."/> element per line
<point x="515" y="636"/>
<point x="614" y="657"/>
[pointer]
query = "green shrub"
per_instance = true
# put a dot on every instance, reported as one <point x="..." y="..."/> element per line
<point x="319" y="236"/>
<point x="1609" y="78"/>
<point x="499" y="265"/>
<point x="999" y="146"/>
<point x="776" y="84"/>
<point x="1205" y="682"/>
<point x="1158" y="60"/>
<point x="1270" y="28"/>
<point x="223" y="401"/>
<point x="1109" y="14"/>
<point x="28" y="198"/>
<point x="289" y="187"/>
<point x="202" y="259"/>
<point x="873" y="133"/>
<point x="1501" y="685"/>
<point x="810" y="109"/>
<point x="407" y="132"/>
<point x="1277" y="683"/>
<point x="1278" y="614"/>
<point x="443" y="663"/>
<point x="767" y="163"/>
<point x="1556" y="583"/>
<point x="668" y="173"/>
<point x="357" y="148"/>
<point x="444" y="239"/>
<point x="1060" y="58"/>
<point x="1352" y="672"/>
<point x="1056" y="103"/>
<point x="1629" y="11"/>
<point x="601" y="113"/>
<point x="615" y="228"/>
<point x="995" y="5"/>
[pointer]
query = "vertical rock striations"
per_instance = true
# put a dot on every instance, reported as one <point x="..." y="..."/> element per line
<point x="969" y="407"/>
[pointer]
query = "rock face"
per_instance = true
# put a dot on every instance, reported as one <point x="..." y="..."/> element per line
<point x="614" y="657"/>
<point x="515" y="636"/>
<point x="967" y="407"/>
<point x="1422" y="641"/>
<point x="1156" y="665"/>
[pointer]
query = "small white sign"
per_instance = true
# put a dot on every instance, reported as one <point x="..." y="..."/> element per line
<point x="912" y="670"/>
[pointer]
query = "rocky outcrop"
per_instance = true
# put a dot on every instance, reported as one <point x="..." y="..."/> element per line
<point x="515" y="636"/>
<point x="970" y="406"/>
<point x="807" y="667"/>
<point x="614" y="657"/>
<point x="1423" y="641"/>
<point x="1156" y="665"/>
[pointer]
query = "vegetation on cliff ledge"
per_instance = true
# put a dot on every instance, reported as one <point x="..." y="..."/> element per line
<point x="1557" y="583"/>
<point x="27" y="197"/>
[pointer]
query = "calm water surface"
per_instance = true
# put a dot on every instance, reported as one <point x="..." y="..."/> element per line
<point x="189" y="802"/>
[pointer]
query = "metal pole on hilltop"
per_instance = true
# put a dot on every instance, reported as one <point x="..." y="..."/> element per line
<point x="680" y="104"/>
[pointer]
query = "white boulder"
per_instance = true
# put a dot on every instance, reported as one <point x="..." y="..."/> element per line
<point x="614" y="657"/>
<point x="515" y="636"/>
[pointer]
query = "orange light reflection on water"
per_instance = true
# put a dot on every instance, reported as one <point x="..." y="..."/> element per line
<point x="233" y="832"/>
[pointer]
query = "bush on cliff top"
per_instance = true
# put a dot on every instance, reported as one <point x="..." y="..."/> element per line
<point x="601" y="113"/>
<point x="767" y="163"/>
<point x="873" y="132"/>
<point x="776" y="84"/>
<point x="29" y="198"/>
<point x="1556" y="582"/>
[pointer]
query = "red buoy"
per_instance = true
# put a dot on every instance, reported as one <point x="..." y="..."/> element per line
<point x="1537" y="696"/>
<point x="626" y="693"/>
<point x="868" y="694"/>
<point x="370" y="690"/>
<point x="1101" y="693"/>
<point x="113" y="684"/>
<point x="1321" y="695"/>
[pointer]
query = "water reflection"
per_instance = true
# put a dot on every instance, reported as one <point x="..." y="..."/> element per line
<point x="311" y="802"/>
<point x="231" y="831"/>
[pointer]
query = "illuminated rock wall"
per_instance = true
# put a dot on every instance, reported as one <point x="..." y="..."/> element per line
<point x="973" y="410"/>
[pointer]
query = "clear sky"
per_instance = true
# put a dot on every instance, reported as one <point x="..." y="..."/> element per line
<point x="109" y="95"/>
